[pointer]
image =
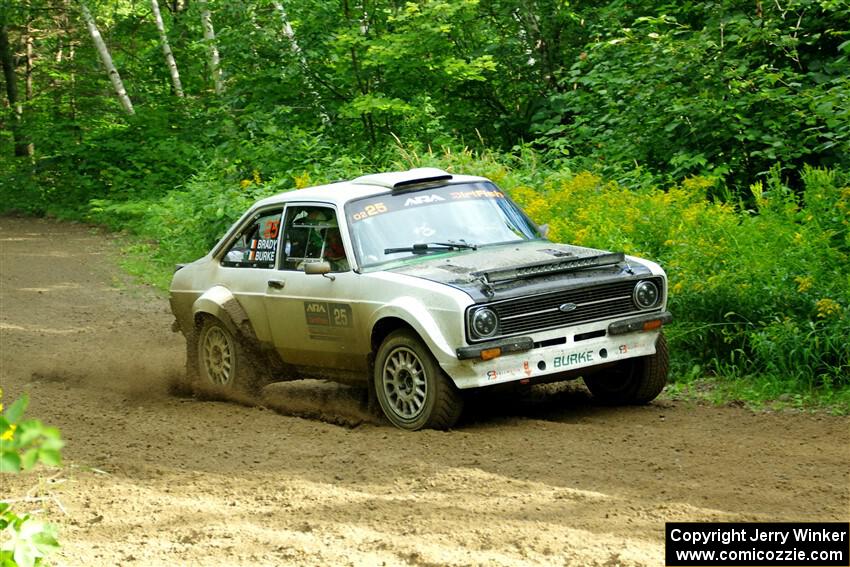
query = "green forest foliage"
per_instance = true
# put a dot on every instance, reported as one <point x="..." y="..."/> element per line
<point x="711" y="136"/>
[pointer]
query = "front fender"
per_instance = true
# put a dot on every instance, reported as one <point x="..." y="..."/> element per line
<point x="423" y="321"/>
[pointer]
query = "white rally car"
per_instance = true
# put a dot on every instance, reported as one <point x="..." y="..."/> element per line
<point x="420" y="284"/>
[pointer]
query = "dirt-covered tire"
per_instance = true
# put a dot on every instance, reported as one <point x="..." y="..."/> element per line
<point x="635" y="381"/>
<point x="220" y="360"/>
<point x="411" y="388"/>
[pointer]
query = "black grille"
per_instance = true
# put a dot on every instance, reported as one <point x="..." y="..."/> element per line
<point x="542" y="312"/>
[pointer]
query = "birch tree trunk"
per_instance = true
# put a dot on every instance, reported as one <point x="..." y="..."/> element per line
<point x="107" y="60"/>
<point x="7" y="60"/>
<point x="302" y="60"/>
<point x="67" y="38"/>
<point x="166" y="50"/>
<point x="209" y="37"/>
<point x="28" y="93"/>
<point x="29" y="58"/>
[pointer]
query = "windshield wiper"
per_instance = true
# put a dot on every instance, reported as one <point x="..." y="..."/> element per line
<point x="428" y="247"/>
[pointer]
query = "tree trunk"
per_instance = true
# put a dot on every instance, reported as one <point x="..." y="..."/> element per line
<point x="12" y="93"/>
<point x="302" y="60"/>
<point x="176" y="6"/>
<point x="209" y="38"/>
<point x="29" y="54"/>
<point x="290" y="34"/>
<point x="107" y="60"/>
<point x="70" y="63"/>
<point x="29" y="58"/>
<point x="166" y="50"/>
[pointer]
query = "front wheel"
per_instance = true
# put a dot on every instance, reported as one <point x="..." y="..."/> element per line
<point x="635" y="381"/>
<point x="411" y="388"/>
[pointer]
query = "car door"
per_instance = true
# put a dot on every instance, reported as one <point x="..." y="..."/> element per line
<point x="312" y="316"/>
<point x="249" y="262"/>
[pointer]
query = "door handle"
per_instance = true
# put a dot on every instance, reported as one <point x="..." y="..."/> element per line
<point x="277" y="284"/>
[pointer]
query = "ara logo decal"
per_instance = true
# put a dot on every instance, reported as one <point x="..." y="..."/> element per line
<point x="317" y="313"/>
<point x="422" y="200"/>
<point x="567" y="307"/>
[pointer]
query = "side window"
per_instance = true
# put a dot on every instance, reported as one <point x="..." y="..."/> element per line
<point x="311" y="234"/>
<point x="256" y="246"/>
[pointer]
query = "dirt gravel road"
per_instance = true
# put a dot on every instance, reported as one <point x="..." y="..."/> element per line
<point x="152" y="478"/>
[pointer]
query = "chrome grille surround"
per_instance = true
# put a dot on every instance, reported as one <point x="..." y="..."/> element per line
<point x="542" y="312"/>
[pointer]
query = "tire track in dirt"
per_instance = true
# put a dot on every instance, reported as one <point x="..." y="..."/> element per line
<point x="152" y="478"/>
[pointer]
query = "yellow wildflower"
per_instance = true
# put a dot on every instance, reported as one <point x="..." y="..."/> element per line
<point x="804" y="283"/>
<point x="581" y="235"/>
<point x="303" y="180"/>
<point x="584" y="182"/>
<point x="245" y="183"/>
<point x="690" y="215"/>
<point x="827" y="307"/>
<point x="9" y="433"/>
<point x="257" y="179"/>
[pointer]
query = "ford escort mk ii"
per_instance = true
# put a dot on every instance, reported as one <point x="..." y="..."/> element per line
<point x="421" y="285"/>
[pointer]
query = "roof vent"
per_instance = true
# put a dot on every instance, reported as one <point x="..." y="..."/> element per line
<point x="397" y="180"/>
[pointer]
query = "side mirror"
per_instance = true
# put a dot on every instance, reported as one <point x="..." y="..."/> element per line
<point x="543" y="229"/>
<point x="320" y="268"/>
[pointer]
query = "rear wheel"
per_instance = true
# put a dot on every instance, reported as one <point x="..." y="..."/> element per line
<point x="220" y="360"/>
<point x="635" y="381"/>
<point x="411" y="388"/>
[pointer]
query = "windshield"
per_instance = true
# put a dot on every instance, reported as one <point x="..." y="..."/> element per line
<point x="391" y="227"/>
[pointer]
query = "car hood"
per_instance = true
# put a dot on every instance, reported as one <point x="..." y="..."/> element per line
<point x="472" y="270"/>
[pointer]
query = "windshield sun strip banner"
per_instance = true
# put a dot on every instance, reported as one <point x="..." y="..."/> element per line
<point x="363" y="209"/>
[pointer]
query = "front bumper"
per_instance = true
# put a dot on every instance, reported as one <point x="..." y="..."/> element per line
<point x="525" y="358"/>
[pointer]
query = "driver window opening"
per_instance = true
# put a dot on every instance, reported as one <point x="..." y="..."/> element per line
<point x="311" y="234"/>
<point x="256" y="246"/>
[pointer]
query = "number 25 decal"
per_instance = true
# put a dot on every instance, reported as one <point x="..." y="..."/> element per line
<point x="340" y="317"/>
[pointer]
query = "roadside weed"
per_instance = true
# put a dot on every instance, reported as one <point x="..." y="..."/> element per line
<point x="25" y="541"/>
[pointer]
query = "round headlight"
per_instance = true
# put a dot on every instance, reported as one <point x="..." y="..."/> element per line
<point x="646" y="295"/>
<point x="484" y="322"/>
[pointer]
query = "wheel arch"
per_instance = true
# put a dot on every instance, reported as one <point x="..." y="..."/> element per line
<point x="220" y="303"/>
<point x="383" y="327"/>
<point x="411" y="314"/>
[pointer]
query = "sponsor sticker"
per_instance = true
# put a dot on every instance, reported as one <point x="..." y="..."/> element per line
<point x="328" y="314"/>
<point x="573" y="359"/>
